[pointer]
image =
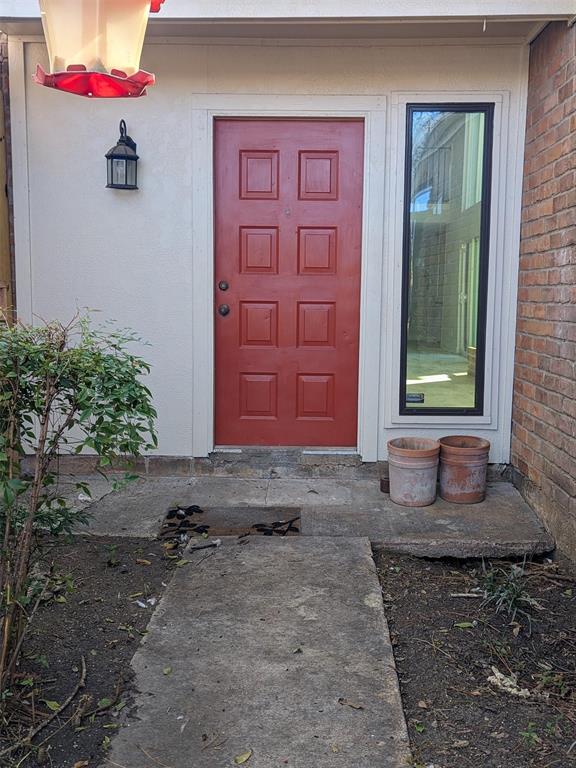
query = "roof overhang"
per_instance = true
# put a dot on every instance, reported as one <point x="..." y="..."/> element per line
<point x="330" y="18"/>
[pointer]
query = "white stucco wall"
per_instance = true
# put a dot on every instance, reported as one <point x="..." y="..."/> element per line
<point x="129" y="254"/>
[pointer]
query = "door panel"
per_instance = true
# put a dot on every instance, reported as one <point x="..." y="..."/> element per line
<point x="288" y="208"/>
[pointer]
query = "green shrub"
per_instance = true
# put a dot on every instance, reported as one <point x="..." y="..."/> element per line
<point x="63" y="388"/>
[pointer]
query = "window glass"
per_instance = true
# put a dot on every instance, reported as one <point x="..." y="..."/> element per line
<point x="445" y="258"/>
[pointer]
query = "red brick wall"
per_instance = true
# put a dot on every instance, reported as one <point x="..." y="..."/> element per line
<point x="544" y="415"/>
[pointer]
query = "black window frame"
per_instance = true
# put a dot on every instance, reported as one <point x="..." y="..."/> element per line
<point x="486" y="108"/>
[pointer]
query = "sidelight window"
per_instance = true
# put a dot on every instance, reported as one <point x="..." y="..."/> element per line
<point x="445" y="259"/>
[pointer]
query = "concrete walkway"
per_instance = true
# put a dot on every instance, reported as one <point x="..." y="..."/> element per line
<point x="278" y="647"/>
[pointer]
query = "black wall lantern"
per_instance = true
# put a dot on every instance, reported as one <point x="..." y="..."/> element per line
<point x="122" y="162"/>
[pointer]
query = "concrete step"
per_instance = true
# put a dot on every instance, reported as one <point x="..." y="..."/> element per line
<point x="299" y="463"/>
<point x="251" y="463"/>
<point x="277" y="646"/>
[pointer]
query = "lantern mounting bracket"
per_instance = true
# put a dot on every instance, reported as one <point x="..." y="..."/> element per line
<point x="124" y="138"/>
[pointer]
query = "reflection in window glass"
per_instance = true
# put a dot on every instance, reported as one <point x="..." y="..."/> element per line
<point x="445" y="255"/>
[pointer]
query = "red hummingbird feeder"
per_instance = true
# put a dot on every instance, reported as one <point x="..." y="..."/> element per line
<point x="94" y="46"/>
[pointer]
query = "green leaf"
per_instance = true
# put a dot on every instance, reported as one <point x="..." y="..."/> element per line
<point x="54" y="706"/>
<point x="464" y="625"/>
<point x="104" y="703"/>
<point x="243" y="758"/>
<point x="167" y="671"/>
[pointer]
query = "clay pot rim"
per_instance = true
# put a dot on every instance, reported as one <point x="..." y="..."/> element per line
<point x="481" y="444"/>
<point x="415" y="453"/>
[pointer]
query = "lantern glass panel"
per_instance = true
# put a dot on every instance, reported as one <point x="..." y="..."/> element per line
<point x="100" y="34"/>
<point x="131" y="173"/>
<point x="118" y="171"/>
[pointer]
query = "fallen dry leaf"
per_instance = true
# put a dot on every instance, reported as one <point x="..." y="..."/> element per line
<point x="143" y="561"/>
<point x="243" y="758"/>
<point x="516" y="628"/>
<point x="81" y="764"/>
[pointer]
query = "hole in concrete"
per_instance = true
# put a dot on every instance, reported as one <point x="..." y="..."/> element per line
<point x="183" y="522"/>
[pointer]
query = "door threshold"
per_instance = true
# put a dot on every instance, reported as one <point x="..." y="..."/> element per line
<point x="305" y="451"/>
<point x="330" y="452"/>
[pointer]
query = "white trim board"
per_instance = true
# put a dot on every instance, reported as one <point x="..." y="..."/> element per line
<point x="336" y="9"/>
<point x="208" y="107"/>
<point x="396" y="149"/>
<point x="321" y="42"/>
<point x="381" y="260"/>
<point x="506" y="190"/>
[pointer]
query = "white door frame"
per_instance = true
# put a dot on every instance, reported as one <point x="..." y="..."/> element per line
<point x="207" y="107"/>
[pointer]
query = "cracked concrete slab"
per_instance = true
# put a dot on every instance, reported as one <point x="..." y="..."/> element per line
<point x="313" y="492"/>
<point x="501" y="526"/>
<point x="138" y="509"/>
<point x="278" y="646"/>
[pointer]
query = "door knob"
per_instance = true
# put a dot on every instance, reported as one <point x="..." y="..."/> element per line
<point x="223" y="285"/>
<point x="224" y="310"/>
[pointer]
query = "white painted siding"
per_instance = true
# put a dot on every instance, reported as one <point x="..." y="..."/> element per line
<point x="129" y="255"/>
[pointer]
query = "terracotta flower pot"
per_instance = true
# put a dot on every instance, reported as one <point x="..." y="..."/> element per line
<point x="413" y="464"/>
<point x="463" y="467"/>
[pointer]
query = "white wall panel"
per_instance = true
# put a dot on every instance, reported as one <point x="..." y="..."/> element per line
<point x="141" y="258"/>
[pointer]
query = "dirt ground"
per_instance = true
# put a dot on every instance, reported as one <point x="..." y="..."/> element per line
<point x="448" y="640"/>
<point x="447" y="644"/>
<point x="103" y="592"/>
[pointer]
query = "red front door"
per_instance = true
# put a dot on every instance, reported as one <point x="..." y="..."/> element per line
<point x="288" y="198"/>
